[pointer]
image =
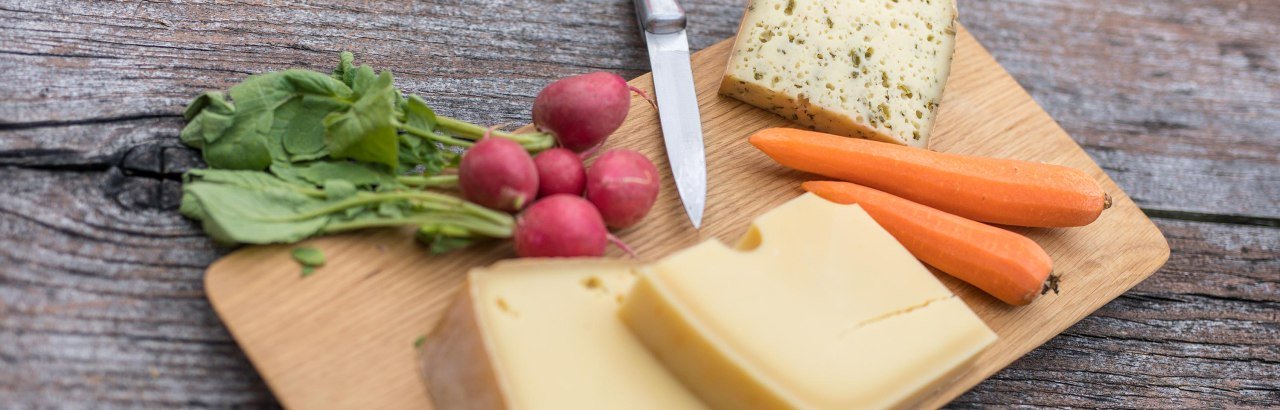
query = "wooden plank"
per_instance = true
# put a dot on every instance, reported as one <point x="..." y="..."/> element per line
<point x="101" y="303"/>
<point x="339" y="339"/>
<point x="1198" y="334"/>
<point x="1189" y="124"/>
<point x="1179" y="100"/>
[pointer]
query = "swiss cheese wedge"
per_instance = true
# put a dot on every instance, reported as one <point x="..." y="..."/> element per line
<point x="544" y="334"/>
<point x="860" y="68"/>
<point x="818" y="307"/>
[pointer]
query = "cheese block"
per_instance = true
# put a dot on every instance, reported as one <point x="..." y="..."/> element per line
<point x="817" y="307"/>
<point x="544" y="334"/>
<point x="867" y="68"/>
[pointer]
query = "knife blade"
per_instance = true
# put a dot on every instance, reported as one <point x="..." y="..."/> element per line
<point x="663" y="24"/>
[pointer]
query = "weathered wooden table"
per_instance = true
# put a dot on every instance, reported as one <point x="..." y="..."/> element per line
<point x="100" y="280"/>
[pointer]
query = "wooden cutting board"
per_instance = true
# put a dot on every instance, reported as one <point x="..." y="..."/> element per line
<point x="344" y="337"/>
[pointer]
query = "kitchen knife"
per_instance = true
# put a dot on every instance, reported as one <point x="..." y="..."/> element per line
<point x="663" y="24"/>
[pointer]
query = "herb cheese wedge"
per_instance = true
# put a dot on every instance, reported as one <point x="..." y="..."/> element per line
<point x="861" y="68"/>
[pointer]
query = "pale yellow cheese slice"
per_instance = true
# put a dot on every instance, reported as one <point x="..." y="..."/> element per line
<point x="544" y="334"/>
<point x="819" y="307"/>
<point x="861" y="68"/>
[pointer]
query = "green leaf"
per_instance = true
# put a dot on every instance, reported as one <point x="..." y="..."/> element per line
<point x="443" y="244"/>
<point x="300" y="124"/>
<point x="248" y="179"/>
<point x="287" y="109"/>
<point x="265" y="92"/>
<point x="367" y="130"/>
<point x="299" y="121"/>
<point x="335" y="145"/>
<point x="260" y="94"/>
<point x="308" y="256"/>
<point x="214" y="101"/>
<point x="239" y="150"/>
<point x="235" y="214"/>
<point x="197" y="105"/>
<point x="394" y="209"/>
<point x="191" y="207"/>
<point x="364" y="80"/>
<point x="450" y="244"/>
<point x="444" y="239"/>
<point x="351" y="214"/>
<point x="454" y="160"/>
<point x="299" y="115"/>
<point x="339" y="189"/>
<point x="307" y="82"/>
<point x="322" y="154"/>
<point x="345" y="71"/>
<point x="362" y="175"/>
<point x="414" y="151"/>
<point x="418" y="114"/>
<point x="209" y="116"/>
<point x="237" y="206"/>
<point x="399" y="106"/>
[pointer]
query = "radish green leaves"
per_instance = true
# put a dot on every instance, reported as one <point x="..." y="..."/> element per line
<point x="296" y="153"/>
<point x="365" y="130"/>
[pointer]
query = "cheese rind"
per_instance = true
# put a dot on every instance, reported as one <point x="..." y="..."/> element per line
<point x="544" y="334"/>
<point x="818" y="307"/>
<point x="869" y="68"/>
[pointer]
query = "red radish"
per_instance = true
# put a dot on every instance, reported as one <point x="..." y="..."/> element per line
<point x="499" y="174"/>
<point x="560" y="172"/>
<point x="623" y="184"/>
<point x="561" y="225"/>
<point x="581" y="111"/>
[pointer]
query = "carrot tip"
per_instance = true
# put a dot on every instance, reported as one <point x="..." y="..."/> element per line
<point x="1051" y="284"/>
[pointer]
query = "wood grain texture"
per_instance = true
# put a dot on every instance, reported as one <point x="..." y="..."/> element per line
<point x="1180" y="100"/>
<point x="100" y="281"/>
<point x="339" y="340"/>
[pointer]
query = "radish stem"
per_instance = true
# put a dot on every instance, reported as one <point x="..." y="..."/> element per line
<point x="532" y="141"/>
<point x="428" y="200"/>
<point x="623" y="246"/>
<point x="443" y="139"/>
<point x="465" y="222"/>
<point x="434" y="181"/>
<point x="587" y="153"/>
<point x="644" y="95"/>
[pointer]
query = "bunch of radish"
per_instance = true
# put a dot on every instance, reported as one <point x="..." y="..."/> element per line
<point x="565" y="208"/>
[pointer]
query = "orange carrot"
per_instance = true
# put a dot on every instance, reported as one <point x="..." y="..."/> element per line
<point x="1001" y="191"/>
<point x="1006" y="265"/>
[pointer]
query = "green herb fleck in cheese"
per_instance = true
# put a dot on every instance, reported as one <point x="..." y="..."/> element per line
<point x="862" y="68"/>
